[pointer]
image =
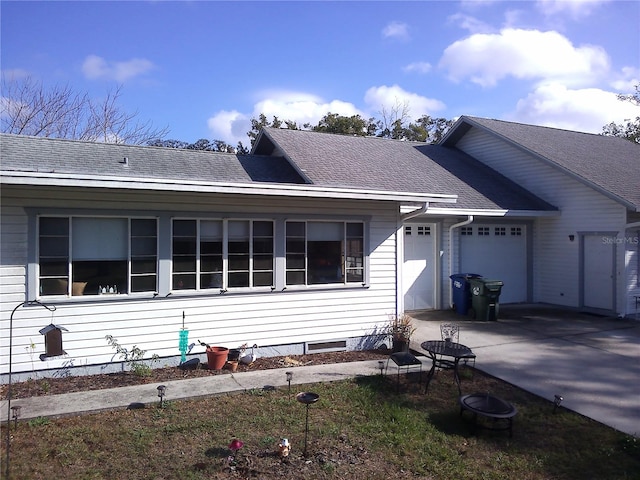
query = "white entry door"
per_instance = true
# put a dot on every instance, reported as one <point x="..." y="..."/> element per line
<point x="598" y="268"/>
<point x="497" y="252"/>
<point x="418" y="271"/>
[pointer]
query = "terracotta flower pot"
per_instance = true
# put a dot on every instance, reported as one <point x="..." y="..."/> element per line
<point x="217" y="357"/>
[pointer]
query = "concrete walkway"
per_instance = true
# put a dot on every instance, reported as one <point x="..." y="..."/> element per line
<point x="137" y="395"/>
<point x="593" y="362"/>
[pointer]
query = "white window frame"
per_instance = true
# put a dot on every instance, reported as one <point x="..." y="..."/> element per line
<point x="226" y="268"/>
<point x="344" y="267"/>
<point x="87" y="291"/>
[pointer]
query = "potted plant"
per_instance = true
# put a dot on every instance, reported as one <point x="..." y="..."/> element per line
<point x="216" y="356"/>
<point x="400" y="329"/>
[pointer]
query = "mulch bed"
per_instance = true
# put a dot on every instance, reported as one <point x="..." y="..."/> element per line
<point x="54" y="386"/>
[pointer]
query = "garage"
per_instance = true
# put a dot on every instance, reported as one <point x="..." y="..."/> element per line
<point x="497" y="252"/>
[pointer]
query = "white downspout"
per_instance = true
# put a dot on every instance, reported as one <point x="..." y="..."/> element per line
<point x="415" y="213"/>
<point x="451" y="228"/>
<point x="627" y="227"/>
<point x="399" y="261"/>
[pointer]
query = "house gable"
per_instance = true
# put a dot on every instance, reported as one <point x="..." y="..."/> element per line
<point x="609" y="165"/>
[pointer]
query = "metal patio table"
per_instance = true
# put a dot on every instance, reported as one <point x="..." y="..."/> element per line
<point x="445" y="355"/>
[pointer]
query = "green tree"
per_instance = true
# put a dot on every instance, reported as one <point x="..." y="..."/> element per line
<point x="258" y="123"/>
<point x="334" y="123"/>
<point x="201" y="144"/>
<point x="629" y="129"/>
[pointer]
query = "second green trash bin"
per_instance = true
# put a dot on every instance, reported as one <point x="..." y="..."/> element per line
<point x="485" y="296"/>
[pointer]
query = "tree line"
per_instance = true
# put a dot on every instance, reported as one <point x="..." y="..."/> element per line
<point x="30" y="108"/>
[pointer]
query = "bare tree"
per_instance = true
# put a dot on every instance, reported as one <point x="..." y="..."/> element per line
<point x="393" y="120"/>
<point x="28" y="108"/>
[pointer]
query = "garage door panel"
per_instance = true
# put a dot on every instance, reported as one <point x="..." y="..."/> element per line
<point x="497" y="252"/>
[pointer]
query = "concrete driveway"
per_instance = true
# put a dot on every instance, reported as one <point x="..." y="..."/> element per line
<point x="592" y="361"/>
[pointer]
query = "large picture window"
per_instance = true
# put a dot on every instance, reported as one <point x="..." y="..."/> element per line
<point x="219" y="254"/>
<point x="97" y="256"/>
<point x="324" y="253"/>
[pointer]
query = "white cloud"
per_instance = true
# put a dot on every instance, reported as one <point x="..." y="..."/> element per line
<point x="576" y="9"/>
<point x="232" y="126"/>
<point x="586" y="110"/>
<point x="387" y="98"/>
<point x="469" y="23"/>
<point x="13" y="74"/>
<point x="300" y="107"/>
<point x="95" y="67"/>
<point x="418" y="67"/>
<point x="626" y="80"/>
<point x="524" y="54"/>
<point x="396" y="30"/>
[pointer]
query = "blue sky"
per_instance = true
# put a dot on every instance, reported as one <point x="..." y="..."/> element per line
<point x="204" y="68"/>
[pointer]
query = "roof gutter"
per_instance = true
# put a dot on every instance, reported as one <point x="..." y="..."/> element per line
<point x="451" y="228"/>
<point x="193" y="186"/>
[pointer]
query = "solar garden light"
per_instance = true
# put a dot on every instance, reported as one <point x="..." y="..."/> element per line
<point x="381" y="366"/>
<point x="289" y="377"/>
<point x="557" y="400"/>
<point x="162" y="390"/>
<point x="15" y="414"/>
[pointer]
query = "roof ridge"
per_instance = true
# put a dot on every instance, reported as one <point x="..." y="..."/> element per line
<point x="529" y="125"/>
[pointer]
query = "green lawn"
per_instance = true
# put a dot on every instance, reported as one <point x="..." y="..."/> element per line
<point x="358" y="429"/>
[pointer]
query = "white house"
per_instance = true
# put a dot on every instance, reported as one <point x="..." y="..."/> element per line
<point x="308" y="243"/>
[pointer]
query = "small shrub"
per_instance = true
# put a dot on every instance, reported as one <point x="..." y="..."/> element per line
<point x="134" y="358"/>
<point x="39" y="422"/>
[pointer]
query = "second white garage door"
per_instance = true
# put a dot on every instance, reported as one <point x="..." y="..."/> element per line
<point x="497" y="252"/>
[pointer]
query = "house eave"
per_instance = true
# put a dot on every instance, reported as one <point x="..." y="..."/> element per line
<point x="490" y="212"/>
<point x="150" y="184"/>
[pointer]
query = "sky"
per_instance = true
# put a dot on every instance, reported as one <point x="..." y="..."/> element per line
<point x="203" y="69"/>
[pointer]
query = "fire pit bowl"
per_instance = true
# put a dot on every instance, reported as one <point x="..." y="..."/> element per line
<point x="307" y="397"/>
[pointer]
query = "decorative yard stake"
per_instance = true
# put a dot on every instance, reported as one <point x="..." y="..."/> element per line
<point x="234" y="446"/>
<point x="183" y="345"/>
<point x="284" y="448"/>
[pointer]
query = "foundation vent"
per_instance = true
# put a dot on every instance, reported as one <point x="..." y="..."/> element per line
<point x="330" y="346"/>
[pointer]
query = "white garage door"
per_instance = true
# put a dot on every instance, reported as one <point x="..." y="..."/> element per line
<point x="497" y="252"/>
<point x="418" y="272"/>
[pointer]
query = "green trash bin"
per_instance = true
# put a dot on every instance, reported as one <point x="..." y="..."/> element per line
<point x="485" y="296"/>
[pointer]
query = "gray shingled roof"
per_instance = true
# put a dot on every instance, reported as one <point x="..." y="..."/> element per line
<point x="36" y="154"/>
<point x="609" y="164"/>
<point x="383" y="164"/>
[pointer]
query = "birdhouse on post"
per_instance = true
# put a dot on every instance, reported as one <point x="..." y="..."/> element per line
<point x="52" y="341"/>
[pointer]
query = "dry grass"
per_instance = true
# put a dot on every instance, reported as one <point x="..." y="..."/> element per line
<point x="359" y="428"/>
